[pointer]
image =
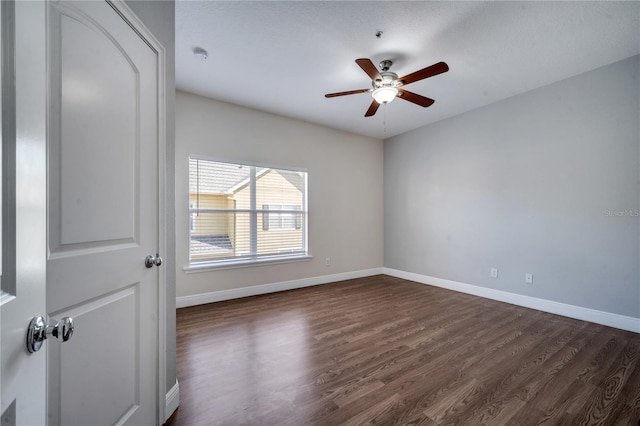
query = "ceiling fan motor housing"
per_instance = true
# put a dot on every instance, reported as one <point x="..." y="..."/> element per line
<point x="387" y="79"/>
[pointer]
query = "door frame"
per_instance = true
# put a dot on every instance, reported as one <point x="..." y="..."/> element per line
<point x="127" y="14"/>
<point x="24" y="211"/>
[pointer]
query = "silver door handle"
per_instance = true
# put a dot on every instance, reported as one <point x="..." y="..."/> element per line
<point x="151" y="260"/>
<point x="39" y="331"/>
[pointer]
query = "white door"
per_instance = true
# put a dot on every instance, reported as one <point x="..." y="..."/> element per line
<point x="103" y="210"/>
<point x="80" y="212"/>
<point x="23" y="375"/>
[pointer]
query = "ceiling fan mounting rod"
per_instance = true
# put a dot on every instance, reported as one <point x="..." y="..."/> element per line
<point x="385" y="65"/>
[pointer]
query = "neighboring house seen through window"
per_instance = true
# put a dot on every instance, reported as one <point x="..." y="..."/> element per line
<point x="242" y="213"/>
<point x="279" y="217"/>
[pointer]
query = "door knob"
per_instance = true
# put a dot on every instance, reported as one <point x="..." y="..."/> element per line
<point x="151" y="260"/>
<point x="39" y="331"/>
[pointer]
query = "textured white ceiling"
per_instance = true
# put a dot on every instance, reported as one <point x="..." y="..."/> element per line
<point x="282" y="57"/>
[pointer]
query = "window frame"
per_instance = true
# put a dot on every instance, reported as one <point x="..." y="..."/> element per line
<point x="253" y="258"/>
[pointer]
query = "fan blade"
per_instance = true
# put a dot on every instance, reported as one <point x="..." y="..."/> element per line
<point x="427" y="72"/>
<point x="368" y="67"/>
<point x="423" y="101"/>
<point x="351" y="92"/>
<point x="372" y="109"/>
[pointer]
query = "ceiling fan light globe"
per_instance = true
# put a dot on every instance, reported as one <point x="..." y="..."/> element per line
<point x="384" y="95"/>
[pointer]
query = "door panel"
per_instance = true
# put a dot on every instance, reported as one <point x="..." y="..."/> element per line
<point x="100" y="100"/>
<point x="117" y="397"/>
<point x="103" y="216"/>
<point x="106" y="92"/>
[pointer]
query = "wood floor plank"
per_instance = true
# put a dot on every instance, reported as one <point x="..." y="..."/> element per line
<point x="598" y="367"/>
<point x="605" y="404"/>
<point x="389" y="351"/>
<point x="472" y="368"/>
<point x="515" y="390"/>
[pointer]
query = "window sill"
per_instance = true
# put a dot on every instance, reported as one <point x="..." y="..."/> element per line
<point x="245" y="263"/>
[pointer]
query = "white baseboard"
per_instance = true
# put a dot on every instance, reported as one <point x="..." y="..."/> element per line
<point x="577" y="312"/>
<point x="571" y="311"/>
<point x="236" y="293"/>
<point x="172" y="401"/>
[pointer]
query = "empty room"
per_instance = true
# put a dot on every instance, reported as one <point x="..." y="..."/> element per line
<point x="320" y="213"/>
<point x="478" y="255"/>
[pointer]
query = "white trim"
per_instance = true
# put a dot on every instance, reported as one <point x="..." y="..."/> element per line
<point x="216" y="159"/>
<point x="128" y="15"/>
<point x="236" y="293"/>
<point x="244" y="263"/>
<point x="571" y="311"/>
<point x="172" y="401"/>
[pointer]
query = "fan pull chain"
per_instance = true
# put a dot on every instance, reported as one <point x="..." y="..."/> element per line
<point x="384" y="119"/>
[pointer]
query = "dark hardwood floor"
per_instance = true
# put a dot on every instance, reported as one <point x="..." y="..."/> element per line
<point x="388" y="351"/>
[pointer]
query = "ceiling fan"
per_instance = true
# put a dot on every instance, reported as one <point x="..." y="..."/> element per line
<point x="386" y="85"/>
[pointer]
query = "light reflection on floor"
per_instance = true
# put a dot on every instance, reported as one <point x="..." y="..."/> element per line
<point x="276" y="347"/>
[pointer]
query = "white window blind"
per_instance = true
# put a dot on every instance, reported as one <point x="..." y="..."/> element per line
<point x="242" y="213"/>
<point x="280" y="217"/>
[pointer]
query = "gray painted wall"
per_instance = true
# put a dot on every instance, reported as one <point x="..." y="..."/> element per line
<point x="546" y="182"/>
<point x="159" y="18"/>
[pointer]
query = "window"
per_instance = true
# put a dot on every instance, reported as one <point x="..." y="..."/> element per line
<point x="243" y="214"/>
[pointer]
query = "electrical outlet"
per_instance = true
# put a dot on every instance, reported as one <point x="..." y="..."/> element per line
<point x="327" y="261"/>
<point x="528" y="278"/>
<point x="494" y="272"/>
